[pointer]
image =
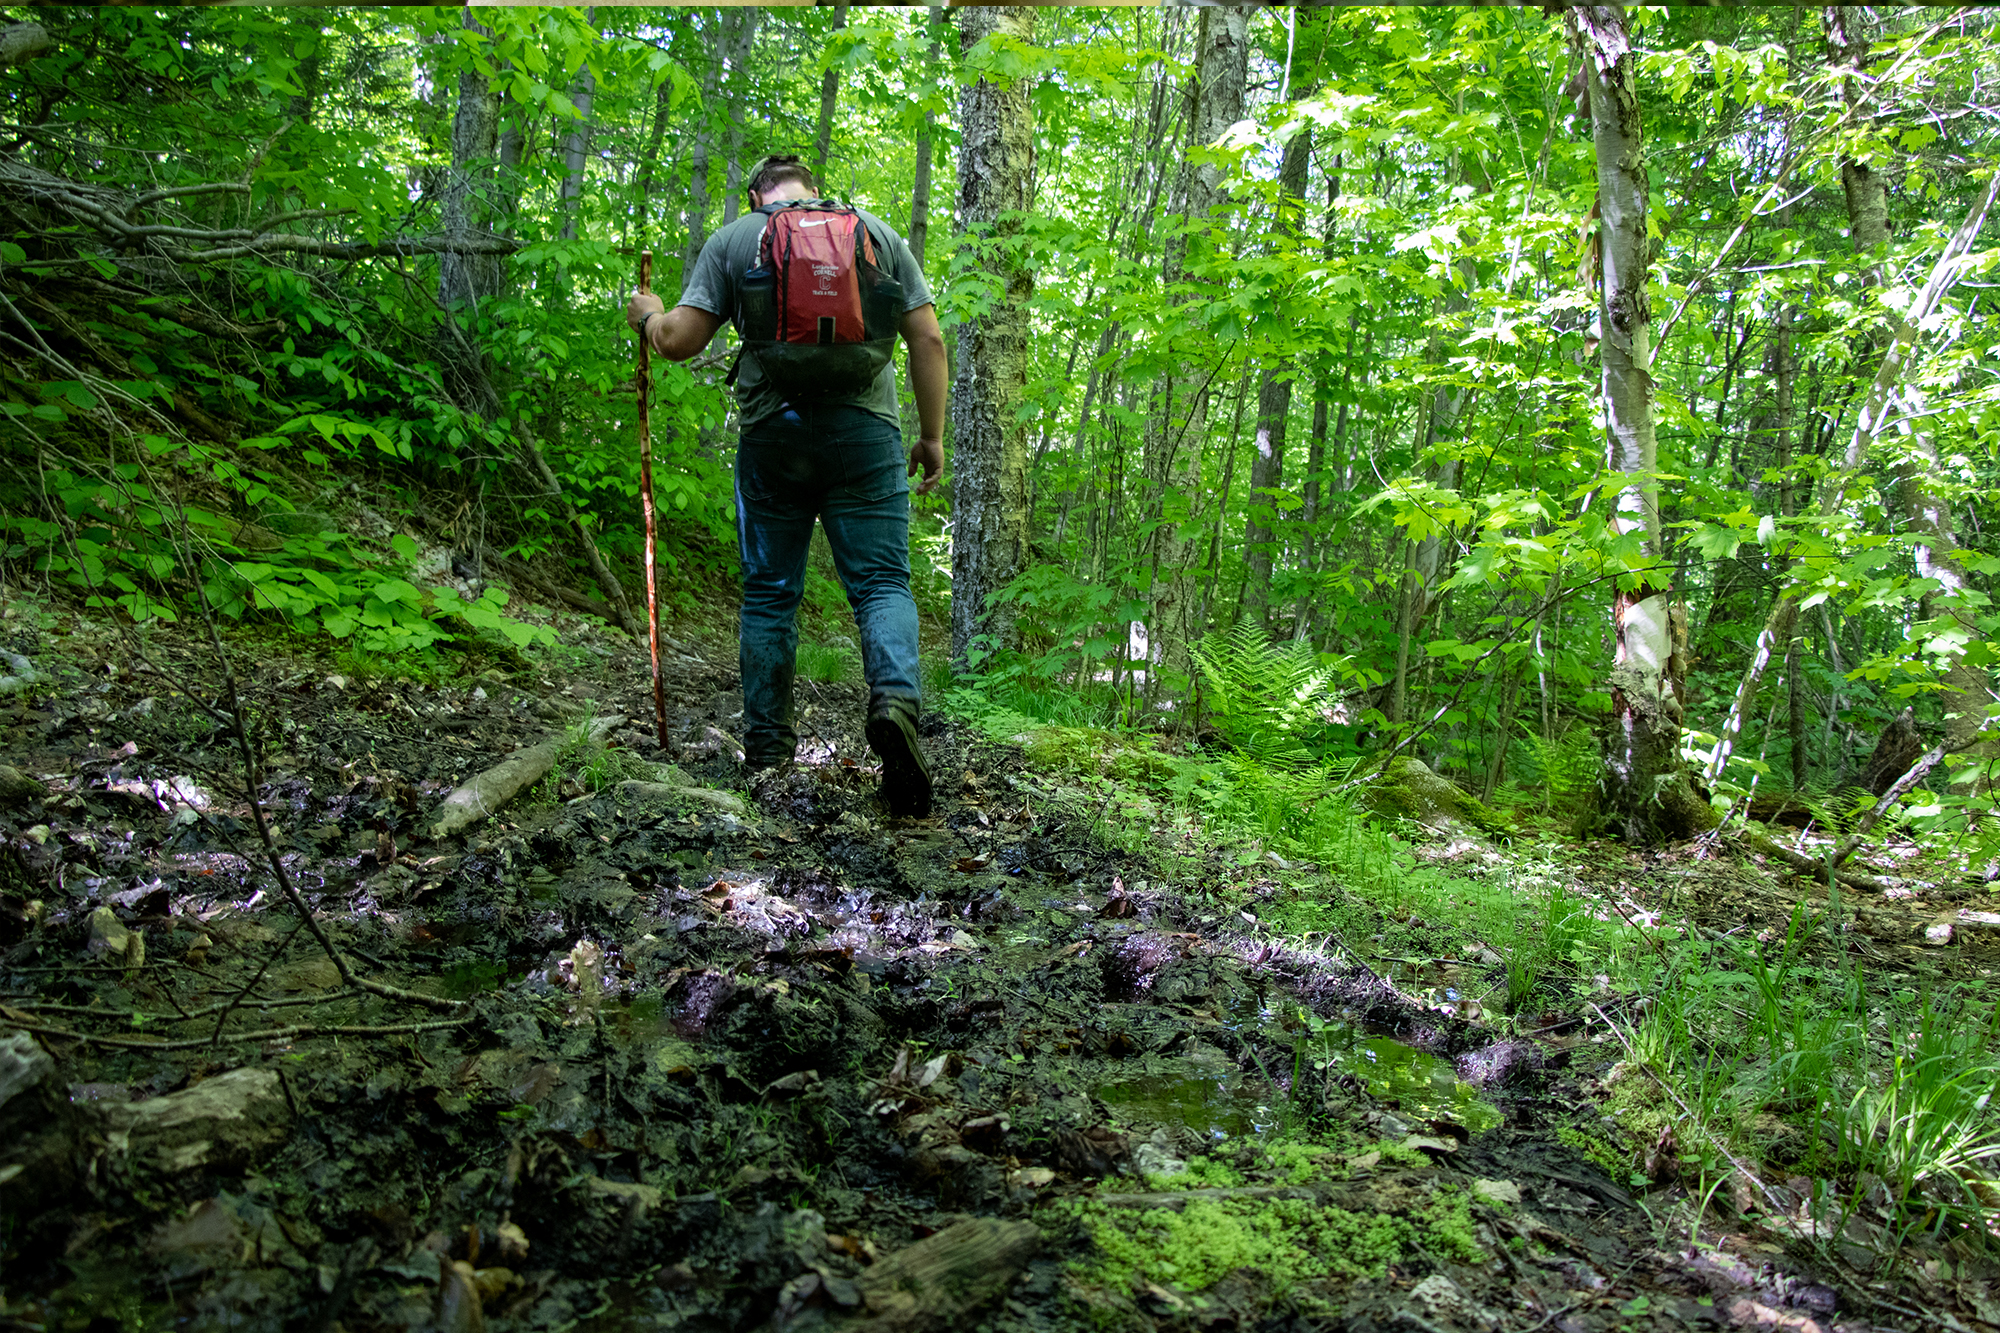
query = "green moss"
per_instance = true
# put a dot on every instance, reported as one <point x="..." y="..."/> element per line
<point x="1203" y="1173"/>
<point x="1093" y="750"/>
<point x="1395" y="1154"/>
<point x="1300" y="1163"/>
<point x="1284" y="1241"/>
<point x="1595" y="1149"/>
<point x="1447" y="1227"/>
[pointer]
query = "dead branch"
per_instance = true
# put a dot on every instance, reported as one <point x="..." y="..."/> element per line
<point x="1810" y="866"/>
<point x="109" y="212"/>
<point x="614" y="592"/>
<point x="1916" y="773"/>
<point x="262" y="1034"/>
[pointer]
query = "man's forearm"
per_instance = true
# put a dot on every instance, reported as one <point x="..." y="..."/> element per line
<point x="927" y="382"/>
<point x="679" y="333"/>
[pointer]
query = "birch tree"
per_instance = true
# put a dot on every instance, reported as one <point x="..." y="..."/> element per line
<point x="1645" y="792"/>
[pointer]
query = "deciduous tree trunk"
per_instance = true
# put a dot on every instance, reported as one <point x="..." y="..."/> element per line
<point x="739" y="29"/>
<point x="829" y="95"/>
<point x="1274" y="407"/>
<point x="1214" y="102"/>
<point x="1646" y="796"/>
<point x="576" y="148"/>
<point x="698" y="153"/>
<point x="467" y="279"/>
<point x="989" y="451"/>
<point x="920" y="186"/>
<point x="466" y="208"/>
<point x="1866" y="189"/>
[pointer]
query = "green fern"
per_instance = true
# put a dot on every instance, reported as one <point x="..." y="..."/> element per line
<point x="1264" y="699"/>
<point x="1564" y="768"/>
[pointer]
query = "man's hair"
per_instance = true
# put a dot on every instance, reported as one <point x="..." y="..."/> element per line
<point x="773" y="171"/>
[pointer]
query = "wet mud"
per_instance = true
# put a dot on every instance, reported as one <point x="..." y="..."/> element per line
<point x="729" y="1051"/>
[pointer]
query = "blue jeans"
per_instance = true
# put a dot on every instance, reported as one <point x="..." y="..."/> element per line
<point x="845" y="467"/>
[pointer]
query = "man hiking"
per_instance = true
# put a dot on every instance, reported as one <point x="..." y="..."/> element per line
<point x="818" y="292"/>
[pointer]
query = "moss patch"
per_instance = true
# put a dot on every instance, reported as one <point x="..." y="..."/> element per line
<point x="1284" y="1241"/>
<point x="1093" y="750"/>
<point x="1293" y="1246"/>
<point x="1411" y="790"/>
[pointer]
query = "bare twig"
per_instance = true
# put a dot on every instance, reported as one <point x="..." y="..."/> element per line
<point x="1896" y="789"/>
<point x="232" y="717"/>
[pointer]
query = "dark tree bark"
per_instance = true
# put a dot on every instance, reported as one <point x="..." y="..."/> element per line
<point x="576" y="148"/>
<point x="739" y="26"/>
<point x="467" y="278"/>
<point x="1172" y="453"/>
<point x="696" y="219"/>
<point x="920" y="186"/>
<point x="1274" y="407"/>
<point x="989" y="451"/>
<point x="829" y="96"/>
<point x="1867" y="192"/>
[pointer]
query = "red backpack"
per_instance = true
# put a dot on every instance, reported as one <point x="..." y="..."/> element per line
<point x="819" y="313"/>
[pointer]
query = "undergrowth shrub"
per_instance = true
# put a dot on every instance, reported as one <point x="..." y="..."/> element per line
<point x="126" y="541"/>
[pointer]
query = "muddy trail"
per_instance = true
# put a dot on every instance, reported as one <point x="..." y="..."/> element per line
<point x="660" y="1046"/>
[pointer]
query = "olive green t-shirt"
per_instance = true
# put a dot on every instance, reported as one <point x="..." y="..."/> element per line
<point x="711" y="286"/>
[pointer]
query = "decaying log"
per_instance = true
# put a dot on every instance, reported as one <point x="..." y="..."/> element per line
<point x="480" y="796"/>
<point x="939" y="1280"/>
<point x="1812" y="867"/>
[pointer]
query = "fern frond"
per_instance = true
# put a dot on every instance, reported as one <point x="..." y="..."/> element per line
<point x="1263" y="697"/>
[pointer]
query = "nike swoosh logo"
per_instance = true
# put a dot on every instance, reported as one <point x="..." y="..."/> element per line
<point x="821" y="223"/>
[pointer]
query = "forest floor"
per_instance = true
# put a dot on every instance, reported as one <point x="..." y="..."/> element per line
<point x="713" y="1053"/>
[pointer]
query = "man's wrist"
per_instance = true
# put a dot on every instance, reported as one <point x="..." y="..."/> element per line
<point x="646" y="319"/>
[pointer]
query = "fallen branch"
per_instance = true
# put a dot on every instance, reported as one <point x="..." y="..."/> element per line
<point x="231" y="717"/>
<point x="1178" y="1199"/>
<point x="936" y="1282"/>
<point x="1812" y="867"/>
<point x="479" y="796"/>
<point x="516" y="572"/>
<point x="614" y="592"/>
<point x="188" y="1016"/>
<point x="1901" y="785"/>
<point x="262" y="1034"/>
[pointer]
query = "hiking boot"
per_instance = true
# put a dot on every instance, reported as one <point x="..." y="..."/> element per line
<point x="906" y="778"/>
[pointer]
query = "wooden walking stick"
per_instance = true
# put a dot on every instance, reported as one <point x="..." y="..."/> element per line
<point x="646" y="503"/>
